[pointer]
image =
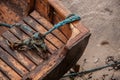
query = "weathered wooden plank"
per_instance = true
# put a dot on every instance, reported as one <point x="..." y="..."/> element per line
<point x="3" y="77"/>
<point x="21" y="35"/>
<point x="17" y="55"/>
<point x="12" y="63"/>
<point x="3" y="29"/>
<point x="8" y="71"/>
<point x="18" y="33"/>
<point x="9" y="36"/>
<point x="35" y="57"/>
<point x="48" y="26"/>
<point x="26" y="31"/>
<point x="42" y="30"/>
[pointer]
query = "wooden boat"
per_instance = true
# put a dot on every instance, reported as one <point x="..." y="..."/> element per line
<point x="66" y="44"/>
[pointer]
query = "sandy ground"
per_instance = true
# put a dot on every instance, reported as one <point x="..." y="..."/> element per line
<point x="102" y="17"/>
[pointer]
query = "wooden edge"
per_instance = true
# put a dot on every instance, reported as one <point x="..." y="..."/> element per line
<point x="76" y="37"/>
<point x="66" y="63"/>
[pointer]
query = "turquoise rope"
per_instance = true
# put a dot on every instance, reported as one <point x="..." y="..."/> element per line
<point x="17" y="25"/>
<point x="6" y="25"/>
<point x="91" y="70"/>
<point x="69" y="19"/>
<point x="22" y="26"/>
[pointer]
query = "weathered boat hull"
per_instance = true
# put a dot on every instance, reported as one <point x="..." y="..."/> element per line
<point x="66" y="45"/>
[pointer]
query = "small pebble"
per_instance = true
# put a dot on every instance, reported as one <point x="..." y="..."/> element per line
<point x="96" y="60"/>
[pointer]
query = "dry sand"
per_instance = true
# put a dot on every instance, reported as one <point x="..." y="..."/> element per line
<point x="102" y="17"/>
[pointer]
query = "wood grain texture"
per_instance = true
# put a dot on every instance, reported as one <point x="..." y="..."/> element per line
<point x="8" y="71"/>
<point x="2" y="76"/>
